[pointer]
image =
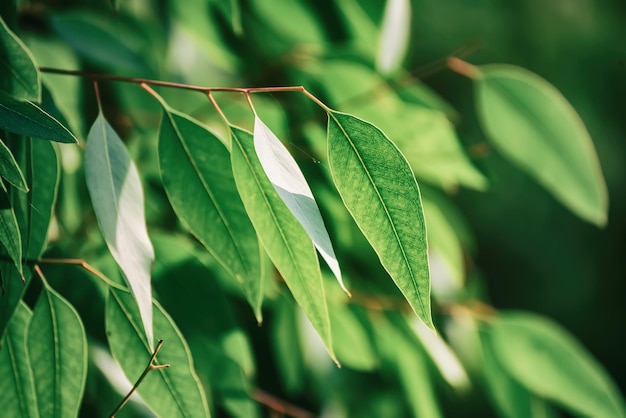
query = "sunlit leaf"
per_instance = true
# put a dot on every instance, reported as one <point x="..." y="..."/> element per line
<point x="9" y="170"/>
<point x="534" y="126"/>
<point x="197" y="175"/>
<point x="394" y="36"/>
<point x="172" y="392"/>
<point x="57" y="348"/>
<point x="379" y="189"/>
<point x="26" y="118"/>
<point x="9" y="231"/>
<point x="549" y="362"/>
<point x="33" y="211"/>
<point x="117" y="198"/>
<point x="285" y="175"/>
<point x="17" y="388"/>
<point x="19" y="77"/>
<point x="284" y="239"/>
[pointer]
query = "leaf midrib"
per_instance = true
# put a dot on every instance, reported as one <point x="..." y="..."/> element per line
<point x="388" y="215"/>
<point x="213" y="201"/>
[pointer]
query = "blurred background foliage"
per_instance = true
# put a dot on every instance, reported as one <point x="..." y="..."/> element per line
<point x="521" y="249"/>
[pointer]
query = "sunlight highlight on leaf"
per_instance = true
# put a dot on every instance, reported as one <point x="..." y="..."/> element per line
<point x="394" y="36"/>
<point x="285" y="175"/>
<point x="117" y="197"/>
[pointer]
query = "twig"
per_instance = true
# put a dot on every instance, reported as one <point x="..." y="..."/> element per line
<point x="280" y="406"/>
<point x="147" y="370"/>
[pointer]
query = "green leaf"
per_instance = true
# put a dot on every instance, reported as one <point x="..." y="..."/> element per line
<point x="534" y="126"/>
<point x="197" y="176"/>
<point x="231" y="9"/>
<point x="285" y="175"/>
<point x="9" y="169"/>
<point x="33" y="211"/>
<point x="549" y="362"/>
<point x="9" y="231"/>
<point x="394" y="35"/>
<point x="17" y="387"/>
<point x="26" y="118"/>
<point x="57" y="348"/>
<point x="110" y="40"/>
<point x="284" y="239"/>
<point x="378" y="188"/>
<point x="19" y="77"/>
<point x="172" y="392"/>
<point x="117" y="197"/>
<point x="351" y="340"/>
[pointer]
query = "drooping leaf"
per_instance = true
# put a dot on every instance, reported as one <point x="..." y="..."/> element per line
<point x="19" y="77"/>
<point x="172" y="392"/>
<point x="534" y="126"/>
<point x="17" y="388"/>
<point x="33" y="211"/>
<point x="232" y="12"/>
<point x="57" y="349"/>
<point x="26" y="118"/>
<point x="284" y="239"/>
<point x="285" y="175"/>
<point x="197" y="176"/>
<point x="394" y="36"/>
<point x="9" y="231"/>
<point x="117" y="198"/>
<point x="549" y="362"/>
<point x="379" y="189"/>
<point x="9" y="170"/>
<point x="351" y="339"/>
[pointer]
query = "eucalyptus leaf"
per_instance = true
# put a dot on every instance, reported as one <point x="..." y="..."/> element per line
<point x="379" y="189"/>
<point x="57" y="348"/>
<point x="17" y="387"/>
<point x="284" y="239"/>
<point x="9" y="170"/>
<point x="9" y="231"/>
<point x="26" y="118"/>
<point x="19" y="77"/>
<point x="117" y="198"/>
<point x="197" y="176"/>
<point x="549" y="362"/>
<point x="33" y="211"/>
<point x="394" y="35"/>
<point x="171" y="392"/>
<point x="285" y="175"/>
<point x="534" y="126"/>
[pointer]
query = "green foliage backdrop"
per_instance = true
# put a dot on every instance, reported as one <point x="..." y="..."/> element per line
<point x="340" y="208"/>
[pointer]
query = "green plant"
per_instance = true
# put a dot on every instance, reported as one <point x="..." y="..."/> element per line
<point x="202" y="223"/>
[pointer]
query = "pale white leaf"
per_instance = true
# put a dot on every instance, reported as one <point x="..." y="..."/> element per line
<point x="290" y="184"/>
<point x="394" y="35"/>
<point x="117" y="197"/>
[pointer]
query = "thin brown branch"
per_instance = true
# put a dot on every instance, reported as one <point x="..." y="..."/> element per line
<point x="280" y="406"/>
<point x="77" y="262"/>
<point x="147" y="370"/>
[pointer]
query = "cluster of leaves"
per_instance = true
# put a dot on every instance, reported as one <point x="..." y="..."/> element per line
<point x="204" y="223"/>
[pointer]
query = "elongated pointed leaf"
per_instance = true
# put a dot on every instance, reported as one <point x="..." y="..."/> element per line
<point x="284" y="239"/>
<point x="173" y="392"/>
<point x="17" y="387"/>
<point x="394" y="36"/>
<point x="378" y="188"/>
<point x="26" y="118"/>
<point x="117" y="197"/>
<point x="19" y="77"/>
<point x="9" y="170"/>
<point x="197" y="176"/>
<point x="285" y="175"/>
<point x="534" y="126"/>
<point x="33" y="211"/>
<point x="545" y="359"/>
<point x="57" y="348"/>
<point x="9" y="231"/>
